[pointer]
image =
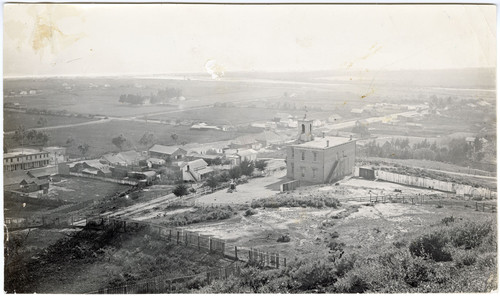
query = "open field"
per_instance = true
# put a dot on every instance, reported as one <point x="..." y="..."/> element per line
<point x="99" y="136"/>
<point x="12" y="120"/>
<point x="234" y="115"/>
<point x="74" y="189"/>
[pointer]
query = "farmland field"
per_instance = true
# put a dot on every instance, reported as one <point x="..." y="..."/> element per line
<point x="11" y="120"/>
<point x="233" y="115"/>
<point x="98" y="136"/>
<point x="81" y="189"/>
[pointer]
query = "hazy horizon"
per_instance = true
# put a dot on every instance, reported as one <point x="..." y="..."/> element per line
<point x="93" y="40"/>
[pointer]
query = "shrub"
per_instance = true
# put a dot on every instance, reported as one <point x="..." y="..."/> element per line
<point x="432" y="246"/>
<point x="464" y="258"/>
<point x="284" y="238"/>
<point x="235" y="173"/>
<point x="448" y="220"/>
<point x="470" y="234"/>
<point x="181" y="190"/>
<point x="250" y="212"/>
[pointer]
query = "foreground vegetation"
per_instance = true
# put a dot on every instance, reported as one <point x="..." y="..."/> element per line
<point x="455" y="256"/>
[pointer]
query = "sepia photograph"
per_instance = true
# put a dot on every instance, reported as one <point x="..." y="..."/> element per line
<point x="264" y="148"/>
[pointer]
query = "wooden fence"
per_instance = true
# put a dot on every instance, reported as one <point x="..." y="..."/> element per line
<point x="191" y="239"/>
<point x="52" y="220"/>
<point x="163" y="284"/>
<point x="112" y="180"/>
<point x="426" y="200"/>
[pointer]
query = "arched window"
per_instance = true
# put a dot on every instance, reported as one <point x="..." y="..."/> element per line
<point x="303" y="128"/>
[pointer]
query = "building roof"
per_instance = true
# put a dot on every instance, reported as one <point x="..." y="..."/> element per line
<point x="43" y="171"/>
<point x="22" y="151"/>
<point x="321" y="143"/>
<point x="154" y="160"/>
<point x="169" y="150"/>
<point x="244" y="140"/>
<point x="246" y="152"/>
<point x="195" y="164"/>
<point x="270" y="137"/>
<point x="205" y="170"/>
<point x="15" y="177"/>
<point x="113" y="159"/>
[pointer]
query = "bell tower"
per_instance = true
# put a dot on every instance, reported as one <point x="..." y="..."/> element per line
<point x="305" y="130"/>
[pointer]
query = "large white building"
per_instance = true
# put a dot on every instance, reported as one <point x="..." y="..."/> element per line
<point x="24" y="159"/>
<point x="321" y="159"/>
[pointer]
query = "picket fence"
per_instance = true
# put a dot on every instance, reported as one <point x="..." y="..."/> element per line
<point x="164" y="284"/>
<point x="112" y="180"/>
<point x="459" y="189"/>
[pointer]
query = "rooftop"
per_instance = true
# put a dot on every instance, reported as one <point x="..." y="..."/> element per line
<point x="164" y="149"/>
<point x="321" y="143"/>
<point x="22" y="151"/>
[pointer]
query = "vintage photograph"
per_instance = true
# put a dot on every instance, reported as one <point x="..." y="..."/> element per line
<point x="264" y="148"/>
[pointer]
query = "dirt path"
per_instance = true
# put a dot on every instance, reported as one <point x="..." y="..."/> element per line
<point x="245" y="193"/>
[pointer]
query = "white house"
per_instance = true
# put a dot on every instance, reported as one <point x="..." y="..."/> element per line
<point x="195" y="170"/>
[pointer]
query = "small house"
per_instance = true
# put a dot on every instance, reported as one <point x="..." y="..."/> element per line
<point x="196" y="170"/>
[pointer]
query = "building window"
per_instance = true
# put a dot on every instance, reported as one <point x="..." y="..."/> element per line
<point x="315" y="155"/>
<point x="315" y="170"/>
<point x="303" y="155"/>
<point x="303" y="171"/>
<point x="293" y="168"/>
<point x="303" y="128"/>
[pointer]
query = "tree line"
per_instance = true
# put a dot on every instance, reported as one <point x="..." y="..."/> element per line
<point x="161" y="97"/>
<point x="458" y="151"/>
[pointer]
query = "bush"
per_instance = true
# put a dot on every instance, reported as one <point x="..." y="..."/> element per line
<point x="307" y="201"/>
<point x="235" y="173"/>
<point x="250" y="212"/>
<point x="448" y="220"/>
<point x="181" y="190"/>
<point x="469" y="235"/>
<point x="283" y="238"/>
<point x="464" y="258"/>
<point x="432" y="246"/>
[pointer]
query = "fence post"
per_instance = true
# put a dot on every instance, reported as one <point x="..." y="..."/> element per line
<point x="236" y="252"/>
<point x="170" y="235"/>
<point x="483" y="206"/>
<point x="476" y="206"/>
<point x="178" y="234"/>
<point x="277" y="260"/>
<point x="210" y="244"/>
<point x="284" y="261"/>
<point x="208" y="277"/>
<point x="198" y="241"/>
<point x="250" y="255"/>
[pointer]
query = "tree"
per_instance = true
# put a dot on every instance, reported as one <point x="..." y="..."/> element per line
<point x="147" y="139"/>
<point x="261" y="164"/>
<point x="20" y="134"/>
<point x="84" y="148"/>
<point x="42" y="121"/>
<point x="247" y="167"/>
<point x="235" y="173"/>
<point x="181" y="190"/>
<point x="212" y="182"/>
<point x="174" y="137"/>
<point x="119" y="141"/>
<point x="70" y="141"/>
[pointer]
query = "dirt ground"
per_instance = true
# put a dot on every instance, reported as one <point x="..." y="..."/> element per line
<point x="359" y="224"/>
<point x="255" y="189"/>
<point x="81" y="189"/>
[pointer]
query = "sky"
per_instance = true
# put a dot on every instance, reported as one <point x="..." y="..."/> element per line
<point x="127" y="39"/>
